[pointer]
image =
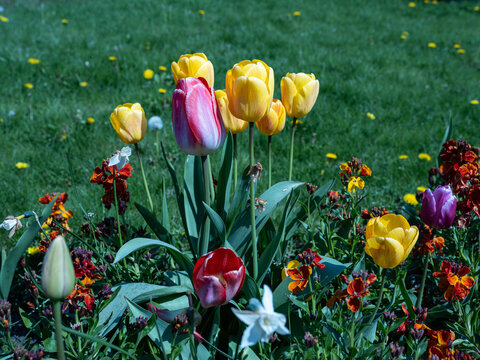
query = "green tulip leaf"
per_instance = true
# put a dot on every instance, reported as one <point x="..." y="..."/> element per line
<point x="217" y="223"/>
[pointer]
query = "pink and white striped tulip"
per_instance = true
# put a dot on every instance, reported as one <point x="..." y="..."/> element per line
<point x="197" y="122"/>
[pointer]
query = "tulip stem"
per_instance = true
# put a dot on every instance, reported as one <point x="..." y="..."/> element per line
<point x="422" y="286"/>
<point x="206" y="193"/>
<point x="380" y="296"/>
<point x="292" y="135"/>
<point x="210" y="182"/>
<point x="119" y="228"/>
<point x="235" y="170"/>
<point x="57" y="312"/>
<point x="252" y="205"/>
<point x="269" y="161"/>
<point x="145" y="184"/>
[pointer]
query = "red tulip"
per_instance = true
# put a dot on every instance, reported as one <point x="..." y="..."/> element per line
<point x="218" y="277"/>
<point x="197" y="123"/>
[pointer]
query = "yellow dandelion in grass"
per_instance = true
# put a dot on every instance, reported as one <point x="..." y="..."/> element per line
<point x="432" y="45"/>
<point x="296" y="13"/>
<point x="331" y="156"/>
<point x="434" y="2"/>
<point x="63" y="137"/>
<point x="28" y="85"/>
<point x="147" y="47"/>
<point x="201" y="12"/>
<point x="474" y="102"/>
<point x="370" y="116"/>
<point x="421" y="188"/>
<point x="298" y="122"/>
<point x="410" y="199"/>
<point x="148" y="74"/>
<point x="33" y="61"/>
<point x="322" y="172"/>
<point x="457" y="46"/>
<point x="162" y="91"/>
<point x="21" y="165"/>
<point x="90" y="120"/>
<point x="112" y="58"/>
<point x="404" y="35"/>
<point x="461" y="51"/>
<point x="1" y="120"/>
<point x="3" y="18"/>
<point x="426" y="1"/>
<point x="412" y="4"/>
<point x="403" y="157"/>
<point x="162" y="68"/>
<point x="83" y="84"/>
<point x="64" y="21"/>
<point x="424" y="156"/>
<point x="476" y="8"/>
<point x="33" y="250"/>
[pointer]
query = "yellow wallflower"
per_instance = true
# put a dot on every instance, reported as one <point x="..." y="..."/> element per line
<point x="201" y="12"/>
<point x="162" y="91"/>
<point x="33" y="250"/>
<point x="296" y="13"/>
<point x="410" y="199"/>
<point x="370" y="116"/>
<point x="3" y="18"/>
<point x="83" y="84"/>
<point x="34" y="61"/>
<point x="421" y="188"/>
<point x="148" y="74"/>
<point x="64" y="21"/>
<point x="461" y="51"/>
<point x="291" y="265"/>
<point x="90" y="120"/>
<point x="403" y="157"/>
<point x="112" y="58"/>
<point x="21" y="165"/>
<point x="355" y="182"/>
<point x="331" y="156"/>
<point x="28" y="85"/>
<point x="474" y="102"/>
<point x="424" y="156"/>
<point x="162" y="68"/>
<point x="412" y="4"/>
<point x="432" y="45"/>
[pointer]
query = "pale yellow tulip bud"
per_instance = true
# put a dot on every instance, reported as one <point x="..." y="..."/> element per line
<point x="231" y="123"/>
<point x="299" y="93"/>
<point x="193" y="65"/>
<point x="274" y="121"/>
<point x="129" y="122"/>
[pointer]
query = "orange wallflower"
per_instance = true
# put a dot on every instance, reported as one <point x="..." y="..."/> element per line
<point x="453" y="280"/>
<point x="300" y="278"/>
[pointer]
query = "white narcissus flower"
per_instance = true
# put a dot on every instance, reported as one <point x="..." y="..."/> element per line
<point x="120" y="158"/>
<point x="155" y="123"/>
<point x="262" y="322"/>
<point x="11" y="224"/>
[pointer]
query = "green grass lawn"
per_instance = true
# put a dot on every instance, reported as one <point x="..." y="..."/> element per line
<point x="353" y="47"/>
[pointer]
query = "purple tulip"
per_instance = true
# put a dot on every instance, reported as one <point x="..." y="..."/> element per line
<point x="438" y="208"/>
<point x="197" y="123"/>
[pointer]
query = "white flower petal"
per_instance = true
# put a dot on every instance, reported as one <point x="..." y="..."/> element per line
<point x="8" y="224"/>
<point x="126" y="151"/>
<point x="252" y="335"/>
<point x="255" y="305"/>
<point x="245" y="316"/>
<point x="114" y="160"/>
<point x="267" y="299"/>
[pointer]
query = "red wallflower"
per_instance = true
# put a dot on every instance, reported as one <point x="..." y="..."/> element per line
<point x="310" y="257"/>
<point x="59" y="213"/>
<point x="356" y="289"/>
<point x="453" y="280"/>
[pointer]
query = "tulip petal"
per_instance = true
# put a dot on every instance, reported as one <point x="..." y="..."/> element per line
<point x="234" y="281"/>
<point x="289" y="91"/>
<point x="386" y="252"/>
<point x="206" y="71"/>
<point x="251" y="99"/>
<point x="210" y="290"/>
<point x="181" y="130"/>
<point x="306" y="97"/>
<point x="392" y="221"/>
<point x="411" y="237"/>
<point x="447" y="213"/>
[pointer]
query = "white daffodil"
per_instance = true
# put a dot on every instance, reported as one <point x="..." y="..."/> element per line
<point x="155" y="123"/>
<point x="11" y="224"/>
<point x="120" y="158"/>
<point x="262" y="322"/>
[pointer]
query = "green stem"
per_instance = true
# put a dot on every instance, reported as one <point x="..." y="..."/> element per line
<point x="269" y="162"/>
<point x="145" y="184"/>
<point x="235" y="165"/>
<point x="119" y="228"/>
<point x="380" y="296"/>
<point x="206" y="199"/>
<point x="252" y="206"/>
<point x="314" y="304"/>
<point x="57" y="312"/>
<point x="292" y="135"/>
<point x="210" y="182"/>
<point x="422" y="286"/>
<point x="157" y="144"/>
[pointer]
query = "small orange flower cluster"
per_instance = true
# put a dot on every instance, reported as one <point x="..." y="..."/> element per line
<point x="453" y="280"/>
<point x="428" y="242"/>
<point x="356" y="289"/>
<point x="301" y="274"/>
<point x="59" y="213"/>
<point x="374" y="212"/>
<point x="351" y="174"/>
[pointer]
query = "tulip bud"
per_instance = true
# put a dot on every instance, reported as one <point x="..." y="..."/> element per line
<point x="389" y="240"/>
<point x="58" y="275"/>
<point x="299" y="93"/>
<point x="197" y="123"/>
<point x="129" y="122"/>
<point x="438" y="208"/>
<point x="193" y="65"/>
<point x="250" y="86"/>
<point x="231" y="123"/>
<point x="274" y="121"/>
<point x="218" y="277"/>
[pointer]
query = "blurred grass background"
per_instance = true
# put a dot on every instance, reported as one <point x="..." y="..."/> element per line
<point x="353" y="47"/>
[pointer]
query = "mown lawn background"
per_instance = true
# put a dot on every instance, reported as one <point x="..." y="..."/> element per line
<point x="353" y="47"/>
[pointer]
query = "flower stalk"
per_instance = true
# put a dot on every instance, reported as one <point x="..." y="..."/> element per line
<point x="269" y="161"/>
<point x="145" y="184"/>
<point x="422" y="286"/>
<point x="235" y="165"/>
<point x="292" y="136"/>
<point x="252" y="205"/>
<point x="206" y="198"/>
<point x="57" y="312"/>
<point x="380" y="296"/>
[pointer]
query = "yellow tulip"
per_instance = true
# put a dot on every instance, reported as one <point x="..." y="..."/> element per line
<point x="231" y="123"/>
<point x="389" y="240"/>
<point x="129" y="122"/>
<point x="193" y="65"/>
<point x="274" y="121"/>
<point x="250" y="89"/>
<point x="299" y="93"/>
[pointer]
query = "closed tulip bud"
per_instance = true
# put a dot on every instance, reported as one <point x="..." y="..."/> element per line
<point x="438" y="208"/>
<point x="274" y="121"/>
<point x="197" y="123"/>
<point x="250" y="89"/>
<point x="218" y="277"/>
<point x="58" y="275"/>
<point x="389" y="240"/>
<point x="129" y="122"/>
<point x="193" y="65"/>
<point x="231" y="123"/>
<point x="299" y="93"/>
